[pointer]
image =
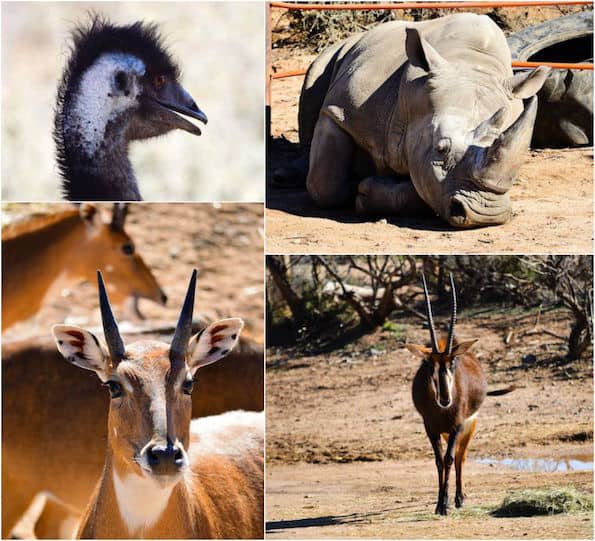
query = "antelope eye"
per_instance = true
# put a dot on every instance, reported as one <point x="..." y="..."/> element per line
<point x="115" y="389"/>
<point x="128" y="248"/>
<point x="187" y="386"/>
<point x="159" y="81"/>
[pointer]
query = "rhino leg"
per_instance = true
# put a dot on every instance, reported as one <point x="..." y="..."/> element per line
<point x="331" y="156"/>
<point x="389" y="196"/>
<point x="292" y="175"/>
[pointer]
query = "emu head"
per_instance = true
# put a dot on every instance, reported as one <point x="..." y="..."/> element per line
<point x="121" y="83"/>
<point x="442" y="357"/>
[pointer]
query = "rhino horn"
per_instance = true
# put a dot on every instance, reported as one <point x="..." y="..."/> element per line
<point x="494" y="167"/>
<point x="492" y="125"/>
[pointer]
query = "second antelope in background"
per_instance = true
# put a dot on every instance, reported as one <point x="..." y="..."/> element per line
<point x="165" y="476"/>
<point x="448" y="390"/>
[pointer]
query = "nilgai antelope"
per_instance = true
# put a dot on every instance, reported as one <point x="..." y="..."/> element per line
<point x="165" y="476"/>
<point x="448" y="389"/>
<point x="45" y="254"/>
<point x="35" y="408"/>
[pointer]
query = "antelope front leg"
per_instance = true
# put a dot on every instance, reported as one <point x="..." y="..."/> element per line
<point x="437" y="446"/>
<point x="449" y="458"/>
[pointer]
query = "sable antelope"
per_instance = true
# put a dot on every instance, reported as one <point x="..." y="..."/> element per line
<point x="448" y="389"/>
<point x="120" y="84"/>
<point x="35" y="408"/>
<point x="165" y="476"/>
<point x="51" y="252"/>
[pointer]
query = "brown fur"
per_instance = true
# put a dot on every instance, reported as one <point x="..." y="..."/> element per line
<point x="34" y="459"/>
<point x="452" y="423"/>
<point x="222" y="496"/>
<point x="62" y="250"/>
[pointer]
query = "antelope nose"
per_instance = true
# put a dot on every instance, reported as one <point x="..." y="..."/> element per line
<point x="165" y="459"/>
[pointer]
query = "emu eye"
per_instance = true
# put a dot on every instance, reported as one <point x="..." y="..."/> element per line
<point x="187" y="386"/>
<point x="159" y="81"/>
<point x="120" y="80"/>
<point x="115" y="389"/>
<point x="128" y="248"/>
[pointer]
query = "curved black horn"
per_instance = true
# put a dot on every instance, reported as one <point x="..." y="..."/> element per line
<point x="429" y="315"/>
<point x="110" y="326"/>
<point x="179" y="344"/>
<point x="453" y="317"/>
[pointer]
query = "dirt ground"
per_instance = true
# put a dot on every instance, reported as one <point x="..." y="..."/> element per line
<point x="173" y="238"/>
<point x="348" y="456"/>
<point x="551" y="198"/>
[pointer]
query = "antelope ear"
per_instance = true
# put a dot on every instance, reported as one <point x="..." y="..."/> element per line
<point x="214" y="342"/>
<point x="462" y="347"/>
<point x="420" y="53"/>
<point x="81" y="348"/>
<point x="88" y="211"/>
<point x="420" y="351"/>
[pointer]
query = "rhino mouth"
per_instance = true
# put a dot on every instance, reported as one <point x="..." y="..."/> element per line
<point x="477" y="209"/>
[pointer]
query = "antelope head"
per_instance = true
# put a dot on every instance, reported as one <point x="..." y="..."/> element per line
<point x="442" y="357"/>
<point x="150" y="384"/>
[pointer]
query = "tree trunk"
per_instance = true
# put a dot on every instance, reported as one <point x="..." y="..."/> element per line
<point x="296" y="304"/>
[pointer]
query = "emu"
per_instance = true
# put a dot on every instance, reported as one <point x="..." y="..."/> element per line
<point x="120" y="84"/>
<point x="448" y="390"/>
<point x="165" y="476"/>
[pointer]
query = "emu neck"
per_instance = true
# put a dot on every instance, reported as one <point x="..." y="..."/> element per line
<point x="99" y="170"/>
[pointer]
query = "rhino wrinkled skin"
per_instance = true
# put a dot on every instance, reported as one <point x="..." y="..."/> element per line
<point x="408" y="116"/>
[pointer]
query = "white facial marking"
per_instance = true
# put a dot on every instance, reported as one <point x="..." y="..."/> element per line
<point x="140" y="501"/>
<point x="96" y="103"/>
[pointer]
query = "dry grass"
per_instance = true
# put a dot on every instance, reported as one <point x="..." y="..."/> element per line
<point x="547" y="501"/>
<point x="220" y="48"/>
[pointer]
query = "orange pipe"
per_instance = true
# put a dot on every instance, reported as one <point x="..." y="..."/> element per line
<point x="555" y="65"/>
<point x="517" y="64"/>
<point x="429" y="5"/>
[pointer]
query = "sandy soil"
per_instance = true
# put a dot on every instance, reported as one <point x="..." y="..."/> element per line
<point x="172" y="239"/>
<point x="348" y="456"/>
<point x="552" y="201"/>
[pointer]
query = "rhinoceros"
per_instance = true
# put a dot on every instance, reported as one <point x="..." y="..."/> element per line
<point x="413" y="117"/>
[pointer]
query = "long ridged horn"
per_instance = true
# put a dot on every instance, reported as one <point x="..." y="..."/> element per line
<point x="429" y="315"/>
<point x="453" y="317"/>
<point x="494" y="168"/>
<point x="110" y="325"/>
<point x="179" y="344"/>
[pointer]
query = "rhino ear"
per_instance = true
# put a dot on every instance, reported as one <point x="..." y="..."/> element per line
<point x="527" y="83"/>
<point x="420" y="53"/>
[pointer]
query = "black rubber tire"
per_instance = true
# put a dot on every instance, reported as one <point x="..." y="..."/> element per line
<point x="565" y="112"/>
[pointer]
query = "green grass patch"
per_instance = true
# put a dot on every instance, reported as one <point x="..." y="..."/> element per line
<point x="546" y="501"/>
<point x="395" y="329"/>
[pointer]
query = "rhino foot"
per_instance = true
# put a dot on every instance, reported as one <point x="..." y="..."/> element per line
<point x="388" y="196"/>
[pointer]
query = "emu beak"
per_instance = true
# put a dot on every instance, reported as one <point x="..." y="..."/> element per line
<point x="174" y="99"/>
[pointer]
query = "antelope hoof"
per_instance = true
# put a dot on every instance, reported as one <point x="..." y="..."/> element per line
<point x="441" y="509"/>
